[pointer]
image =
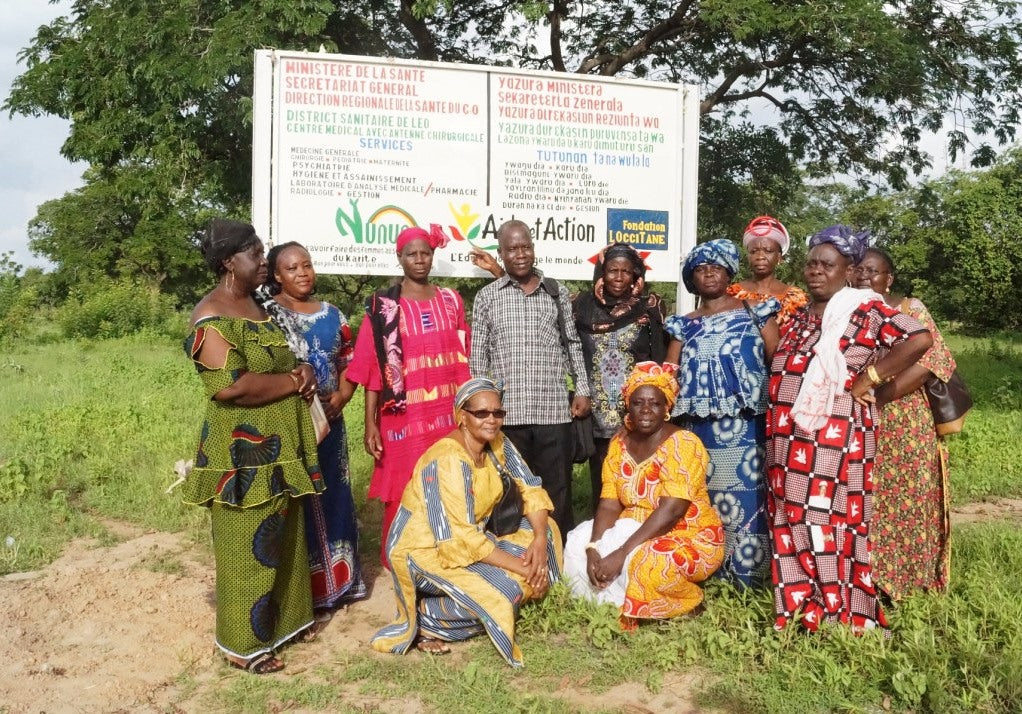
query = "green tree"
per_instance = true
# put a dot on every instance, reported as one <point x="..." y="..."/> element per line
<point x="954" y="240"/>
<point x="161" y="88"/>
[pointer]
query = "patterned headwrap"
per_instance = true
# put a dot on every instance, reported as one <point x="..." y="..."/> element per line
<point x="767" y="227"/>
<point x="435" y="236"/>
<point x="474" y="386"/>
<point x="661" y="376"/>
<point x="715" y="252"/>
<point x="598" y="312"/>
<point x="848" y="243"/>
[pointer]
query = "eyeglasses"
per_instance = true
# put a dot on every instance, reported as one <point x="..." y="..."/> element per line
<point x="486" y="413"/>
<point x="870" y="272"/>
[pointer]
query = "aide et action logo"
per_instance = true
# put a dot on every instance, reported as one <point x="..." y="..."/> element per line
<point x="646" y="230"/>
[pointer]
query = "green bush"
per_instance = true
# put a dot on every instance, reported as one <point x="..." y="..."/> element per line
<point x="117" y="309"/>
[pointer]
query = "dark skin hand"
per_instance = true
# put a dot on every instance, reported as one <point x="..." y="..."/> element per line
<point x="647" y="408"/>
<point x="372" y="440"/>
<point x="827" y="271"/>
<point x="297" y="280"/>
<point x="711" y="283"/>
<point x="232" y="297"/>
<point x="474" y="434"/>
<point x="875" y="273"/>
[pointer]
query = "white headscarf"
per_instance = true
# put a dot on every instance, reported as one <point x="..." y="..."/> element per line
<point x="828" y="371"/>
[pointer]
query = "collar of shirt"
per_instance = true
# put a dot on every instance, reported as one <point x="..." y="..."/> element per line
<point x="505" y="280"/>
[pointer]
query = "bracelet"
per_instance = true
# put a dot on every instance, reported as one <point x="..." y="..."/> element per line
<point x="874" y="376"/>
<point x="294" y="378"/>
<point x="591" y="545"/>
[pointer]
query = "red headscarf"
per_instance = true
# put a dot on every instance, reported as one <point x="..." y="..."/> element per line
<point x="435" y="237"/>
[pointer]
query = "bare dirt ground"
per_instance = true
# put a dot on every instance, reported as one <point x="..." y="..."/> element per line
<point x="112" y="629"/>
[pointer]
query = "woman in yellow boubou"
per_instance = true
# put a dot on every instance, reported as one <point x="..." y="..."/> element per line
<point x="655" y="534"/>
<point x="453" y="579"/>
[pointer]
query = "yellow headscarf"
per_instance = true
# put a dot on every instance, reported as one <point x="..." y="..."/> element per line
<point x="657" y="375"/>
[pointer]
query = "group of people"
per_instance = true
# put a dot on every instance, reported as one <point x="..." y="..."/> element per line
<point x="767" y="437"/>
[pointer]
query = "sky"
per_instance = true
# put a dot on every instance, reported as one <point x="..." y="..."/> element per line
<point x="34" y="171"/>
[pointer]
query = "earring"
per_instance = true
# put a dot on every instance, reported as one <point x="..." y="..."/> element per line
<point x="667" y="415"/>
<point x="230" y="280"/>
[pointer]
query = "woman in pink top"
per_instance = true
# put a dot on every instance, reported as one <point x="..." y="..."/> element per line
<point x="411" y="356"/>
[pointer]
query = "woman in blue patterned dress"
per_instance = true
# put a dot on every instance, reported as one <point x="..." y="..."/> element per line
<point x="318" y="333"/>
<point x="722" y="349"/>
<point x="620" y="325"/>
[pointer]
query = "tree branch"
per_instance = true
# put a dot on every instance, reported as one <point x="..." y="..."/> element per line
<point x="745" y="68"/>
<point x="611" y="64"/>
<point x="558" y="11"/>
<point x="425" y="43"/>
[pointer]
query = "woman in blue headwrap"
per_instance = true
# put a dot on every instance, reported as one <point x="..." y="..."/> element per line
<point x="822" y="441"/>
<point x="453" y="578"/>
<point x="722" y="349"/>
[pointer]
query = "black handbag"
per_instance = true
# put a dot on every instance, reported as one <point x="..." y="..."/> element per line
<point x="506" y="516"/>
<point x="583" y="446"/>
<point x="949" y="402"/>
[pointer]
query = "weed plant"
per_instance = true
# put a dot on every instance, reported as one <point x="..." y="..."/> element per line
<point x="92" y="429"/>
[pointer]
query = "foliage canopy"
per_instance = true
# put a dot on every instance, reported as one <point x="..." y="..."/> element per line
<point x="158" y="93"/>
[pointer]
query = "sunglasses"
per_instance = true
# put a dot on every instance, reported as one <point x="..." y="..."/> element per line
<point x="486" y="413"/>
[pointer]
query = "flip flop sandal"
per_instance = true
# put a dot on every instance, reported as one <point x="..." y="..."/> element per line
<point x="265" y="663"/>
<point x="432" y="646"/>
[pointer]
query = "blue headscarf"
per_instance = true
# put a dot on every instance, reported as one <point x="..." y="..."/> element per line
<point x="474" y="386"/>
<point x="848" y="243"/>
<point x="715" y="252"/>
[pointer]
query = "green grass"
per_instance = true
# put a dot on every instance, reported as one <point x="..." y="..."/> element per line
<point x="986" y="458"/>
<point x="91" y="430"/>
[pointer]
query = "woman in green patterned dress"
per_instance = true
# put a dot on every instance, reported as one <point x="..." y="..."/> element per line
<point x="256" y="457"/>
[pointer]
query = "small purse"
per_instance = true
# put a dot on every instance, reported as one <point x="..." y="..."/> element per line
<point x="949" y="402"/>
<point x="506" y="516"/>
<point x="319" y="420"/>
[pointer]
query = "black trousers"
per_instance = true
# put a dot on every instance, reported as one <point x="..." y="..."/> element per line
<point x="596" y="469"/>
<point x="545" y="449"/>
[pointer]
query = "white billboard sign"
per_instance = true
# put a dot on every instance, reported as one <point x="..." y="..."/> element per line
<point x="348" y="151"/>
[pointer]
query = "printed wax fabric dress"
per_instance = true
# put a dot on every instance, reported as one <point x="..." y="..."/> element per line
<point x="331" y="532"/>
<point x="659" y="577"/>
<point x="437" y="543"/>
<point x="722" y="374"/>
<point x="911" y="526"/>
<point x="434" y="340"/>
<point x="821" y="481"/>
<point x="610" y="355"/>
<point x="252" y="467"/>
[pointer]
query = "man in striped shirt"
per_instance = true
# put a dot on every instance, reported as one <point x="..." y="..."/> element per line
<point x="516" y="338"/>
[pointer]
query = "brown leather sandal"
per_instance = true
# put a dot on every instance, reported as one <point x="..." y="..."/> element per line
<point x="265" y="663"/>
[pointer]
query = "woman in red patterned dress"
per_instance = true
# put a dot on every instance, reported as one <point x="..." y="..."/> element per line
<point x="911" y="528"/>
<point x="822" y="440"/>
<point x="411" y="355"/>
